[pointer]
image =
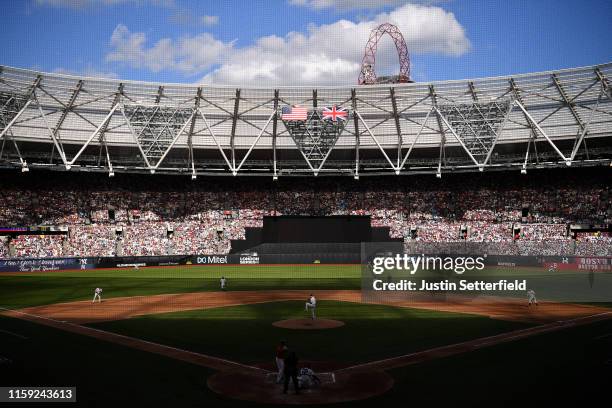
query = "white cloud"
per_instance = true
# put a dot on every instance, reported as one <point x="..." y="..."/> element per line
<point x="344" y="4"/>
<point x="332" y="53"/>
<point x="189" y="54"/>
<point x="324" y="54"/>
<point x="354" y="4"/>
<point x="186" y="18"/>
<point x="82" y="4"/>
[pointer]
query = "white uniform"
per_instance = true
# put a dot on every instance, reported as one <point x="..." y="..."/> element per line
<point x="312" y="305"/>
<point x="223" y="282"/>
<point x="531" y="297"/>
<point x="308" y="378"/>
<point x="97" y="294"/>
<point x="280" y="363"/>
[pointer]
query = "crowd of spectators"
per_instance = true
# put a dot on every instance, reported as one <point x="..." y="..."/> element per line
<point x="90" y="240"/>
<point x="4" y="249"/>
<point x="38" y="246"/>
<point x="496" y="213"/>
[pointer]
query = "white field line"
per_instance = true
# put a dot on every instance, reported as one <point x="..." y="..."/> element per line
<point x="110" y="335"/>
<point x="603" y="336"/>
<point x="10" y="333"/>
<point x="484" y="342"/>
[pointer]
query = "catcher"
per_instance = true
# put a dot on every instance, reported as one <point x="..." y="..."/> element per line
<point x="308" y="378"/>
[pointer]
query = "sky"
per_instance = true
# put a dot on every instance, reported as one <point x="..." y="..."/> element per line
<point x="300" y="42"/>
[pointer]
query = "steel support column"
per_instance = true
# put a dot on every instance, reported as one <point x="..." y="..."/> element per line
<point x="401" y="166"/>
<point x="604" y="82"/>
<point x="160" y="94"/>
<point x="434" y="102"/>
<point x="102" y="138"/>
<point x="212" y="134"/>
<point x="233" y="133"/>
<point x="554" y="146"/>
<point x="584" y="132"/>
<point x="60" y="121"/>
<point x="356" y="125"/>
<point x="255" y="142"/>
<point x="570" y="105"/>
<point x="191" y="163"/>
<point x="532" y="129"/>
<point x="376" y="141"/>
<point x="95" y="132"/>
<point x="398" y="128"/>
<point x="274" y="131"/>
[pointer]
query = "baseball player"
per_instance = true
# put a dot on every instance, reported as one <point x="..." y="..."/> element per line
<point x="97" y="294"/>
<point x="223" y="282"/>
<point x="281" y="350"/>
<point x="531" y="297"/>
<point x="311" y="304"/>
<point x="290" y="371"/>
<point x="308" y="379"/>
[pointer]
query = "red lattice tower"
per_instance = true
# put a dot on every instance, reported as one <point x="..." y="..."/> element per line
<point x="367" y="74"/>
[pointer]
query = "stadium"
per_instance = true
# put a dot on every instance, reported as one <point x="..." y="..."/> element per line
<point x="384" y="243"/>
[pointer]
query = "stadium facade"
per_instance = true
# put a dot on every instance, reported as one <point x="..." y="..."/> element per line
<point x="539" y="120"/>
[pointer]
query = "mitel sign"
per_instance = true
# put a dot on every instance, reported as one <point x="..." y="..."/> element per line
<point x="211" y="259"/>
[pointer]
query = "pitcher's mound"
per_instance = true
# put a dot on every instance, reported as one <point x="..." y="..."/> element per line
<point x="308" y="324"/>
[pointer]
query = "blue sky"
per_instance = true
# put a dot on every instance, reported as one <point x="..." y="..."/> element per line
<point x="300" y="41"/>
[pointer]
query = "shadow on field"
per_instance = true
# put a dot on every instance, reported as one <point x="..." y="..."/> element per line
<point x="371" y="332"/>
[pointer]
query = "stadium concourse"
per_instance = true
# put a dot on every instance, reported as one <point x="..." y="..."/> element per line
<point x="138" y="215"/>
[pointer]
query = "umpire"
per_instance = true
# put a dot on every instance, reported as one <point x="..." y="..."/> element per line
<point x="291" y="371"/>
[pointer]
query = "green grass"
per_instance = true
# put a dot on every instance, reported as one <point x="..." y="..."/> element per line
<point x="571" y="367"/>
<point x="38" y="288"/>
<point x="559" y="369"/>
<point x="567" y="366"/>
<point x="371" y="332"/>
<point x="216" y="271"/>
<point x="577" y="286"/>
<point x="32" y="289"/>
<point x="105" y="374"/>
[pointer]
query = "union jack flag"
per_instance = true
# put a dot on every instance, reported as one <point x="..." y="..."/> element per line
<point x="334" y="113"/>
<point x="294" y="113"/>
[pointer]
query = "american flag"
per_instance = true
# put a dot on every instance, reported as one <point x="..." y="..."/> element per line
<point x="295" y="112"/>
<point x="334" y="113"/>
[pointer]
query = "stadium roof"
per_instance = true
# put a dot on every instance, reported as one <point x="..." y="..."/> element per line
<point x="542" y="119"/>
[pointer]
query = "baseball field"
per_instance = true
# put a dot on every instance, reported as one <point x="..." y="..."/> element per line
<point x="170" y="335"/>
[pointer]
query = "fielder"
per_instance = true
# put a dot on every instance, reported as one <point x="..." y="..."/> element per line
<point x="97" y="294"/>
<point x="223" y="282"/>
<point x="531" y="297"/>
<point x="311" y="304"/>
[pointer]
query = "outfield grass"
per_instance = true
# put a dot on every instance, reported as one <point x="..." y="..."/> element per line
<point x="371" y="332"/>
<point x="39" y="288"/>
